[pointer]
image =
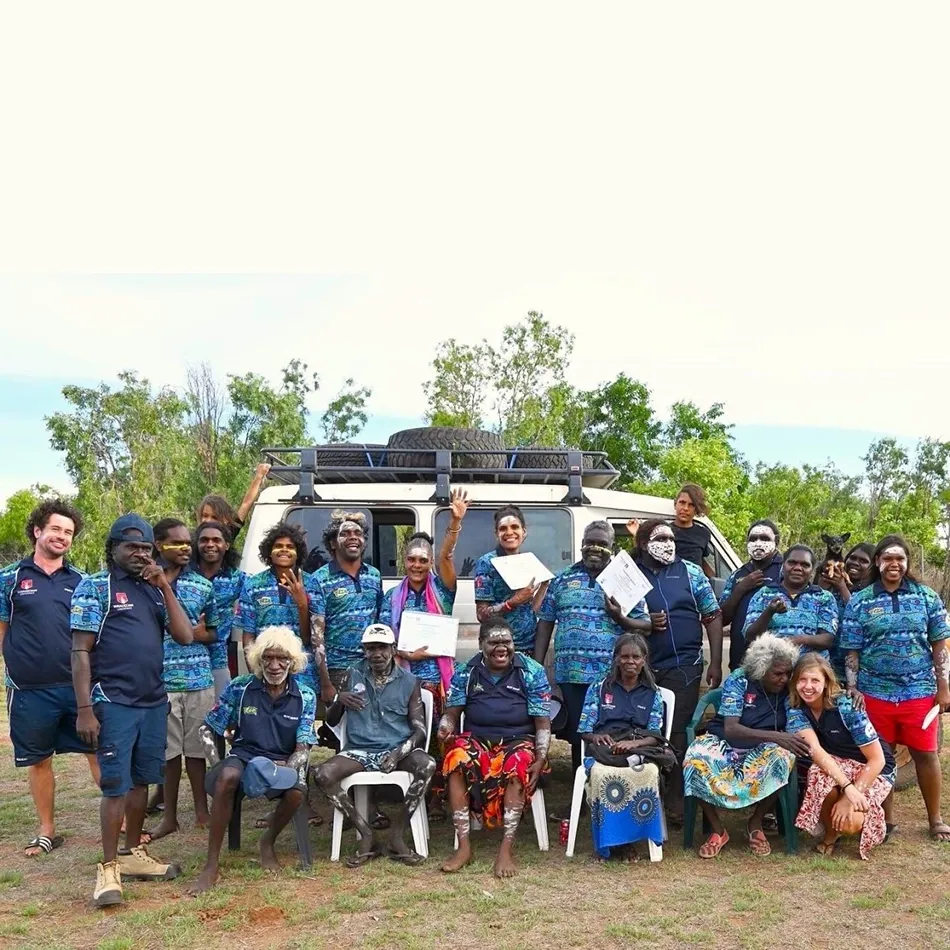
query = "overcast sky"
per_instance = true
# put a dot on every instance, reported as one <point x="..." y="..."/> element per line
<point x="745" y="203"/>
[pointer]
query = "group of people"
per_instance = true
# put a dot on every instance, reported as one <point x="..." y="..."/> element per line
<point x="830" y="666"/>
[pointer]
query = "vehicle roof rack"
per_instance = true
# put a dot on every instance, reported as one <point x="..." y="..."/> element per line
<point x="310" y="466"/>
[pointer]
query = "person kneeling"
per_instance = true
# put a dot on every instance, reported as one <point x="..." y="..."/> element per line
<point x="493" y="768"/>
<point x="268" y="717"/>
<point x="385" y="731"/>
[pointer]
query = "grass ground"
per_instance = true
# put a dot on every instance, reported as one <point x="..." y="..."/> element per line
<point x="901" y="898"/>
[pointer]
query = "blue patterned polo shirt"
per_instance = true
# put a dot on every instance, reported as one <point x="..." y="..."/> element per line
<point x="491" y="589"/>
<point x="813" y="611"/>
<point x="188" y="668"/>
<point x="348" y="605"/>
<point x="227" y="589"/>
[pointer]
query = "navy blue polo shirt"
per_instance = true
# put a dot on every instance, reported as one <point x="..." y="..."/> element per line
<point x="265" y="726"/>
<point x="35" y="606"/>
<point x="498" y="707"/>
<point x="773" y="573"/>
<point x="621" y="708"/>
<point x="128" y="617"/>
<point x="755" y="708"/>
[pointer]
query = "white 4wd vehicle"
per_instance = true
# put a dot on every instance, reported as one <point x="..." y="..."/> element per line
<point x="404" y="487"/>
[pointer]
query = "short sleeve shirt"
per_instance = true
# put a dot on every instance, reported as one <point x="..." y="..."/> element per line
<point x="893" y="634"/>
<point x="592" y="712"/>
<point x="187" y="667"/>
<point x="426" y="671"/>
<point x="692" y="543"/>
<point x="856" y="722"/>
<point x="490" y="588"/>
<point x="537" y="687"/>
<point x="227" y="589"/>
<point x="348" y="605"/>
<point x="812" y="612"/>
<point x="748" y="702"/>
<point x="585" y="635"/>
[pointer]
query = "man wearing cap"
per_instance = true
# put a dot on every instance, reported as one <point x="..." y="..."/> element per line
<point x="385" y="730"/>
<point x="118" y="618"/>
<point x="268" y="718"/>
<point x="35" y="595"/>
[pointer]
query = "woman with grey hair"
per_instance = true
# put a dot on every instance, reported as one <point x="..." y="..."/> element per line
<point x="746" y="756"/>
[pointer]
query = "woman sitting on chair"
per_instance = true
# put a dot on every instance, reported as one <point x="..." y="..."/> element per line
<point x="853" y="769"/>
<point x="746" y="757"/>
<point x="622" y="724"/>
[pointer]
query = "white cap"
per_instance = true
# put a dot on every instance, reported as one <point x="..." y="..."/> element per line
<point x="379" y="633"/>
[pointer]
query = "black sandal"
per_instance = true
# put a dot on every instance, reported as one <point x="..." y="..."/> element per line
<point x="411" y="858"/>
<point x="361" y="857"/>
<point x="44" y="844"/>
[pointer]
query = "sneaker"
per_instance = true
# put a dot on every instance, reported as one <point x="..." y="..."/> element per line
<point x="108" y="885"/>
<point x="141" y="866"/>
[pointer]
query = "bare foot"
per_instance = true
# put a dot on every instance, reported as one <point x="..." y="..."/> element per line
<point x="269" y="860"/>
<point x="505" y="862"/>
<point x="202" y="821"/>
<point x="164" y="829"/>
<point x="206" y="880"/>
<point x="461" y="857"/>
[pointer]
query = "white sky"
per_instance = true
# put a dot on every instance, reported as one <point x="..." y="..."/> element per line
<point x="736" y="202"/>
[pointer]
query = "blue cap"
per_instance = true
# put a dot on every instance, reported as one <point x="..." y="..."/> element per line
<point x="131" y="522"/>
<point x="261" y="776"/>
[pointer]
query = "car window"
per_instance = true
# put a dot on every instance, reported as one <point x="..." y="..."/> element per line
<point x="550" y="537"/>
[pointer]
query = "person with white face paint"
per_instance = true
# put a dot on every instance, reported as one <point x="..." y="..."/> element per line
<point x="894" y="636"/>
<point x="679" y="606"/>
<point x="268" y="718"/>
<point x="764" y="564"/>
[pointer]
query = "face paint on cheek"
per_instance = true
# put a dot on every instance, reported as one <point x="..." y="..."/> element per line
<point x="508" y="523"/>
<point x="760" y="549"/>
<point x="662" y="550"/>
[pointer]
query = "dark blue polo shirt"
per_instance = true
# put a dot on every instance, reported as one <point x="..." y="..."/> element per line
<point x="128" y="617"/>
<point x="267" y="726"/>
<point x="755" y="708"/>
<point x="35" y="605"/>
<point x="498" y="708"/>
<point x="773" y="573"/>
<point x="620" y="708"/>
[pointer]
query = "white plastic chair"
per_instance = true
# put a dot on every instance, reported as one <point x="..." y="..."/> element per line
<point x="538" y="811"/>
<point x="580" y="782"/>
<point x="361" y="782"/>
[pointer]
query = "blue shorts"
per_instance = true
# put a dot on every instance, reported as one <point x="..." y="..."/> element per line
<point x="131" y="747"/>
<point x="42" y="722"/>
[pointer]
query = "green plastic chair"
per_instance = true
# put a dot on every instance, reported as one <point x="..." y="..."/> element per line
<point x="787" y="796"/>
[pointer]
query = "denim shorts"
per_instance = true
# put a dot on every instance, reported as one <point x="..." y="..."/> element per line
<point x="42" y="722"/>
<point x="131" y="747"/>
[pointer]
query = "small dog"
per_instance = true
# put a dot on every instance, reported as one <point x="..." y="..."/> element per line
<point x="834" y="555"/>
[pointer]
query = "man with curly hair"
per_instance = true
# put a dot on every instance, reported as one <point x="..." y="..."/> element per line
<point x="268" y="717"/>
<point x="35" y="594"/>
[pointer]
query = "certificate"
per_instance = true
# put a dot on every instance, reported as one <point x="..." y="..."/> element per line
<point x="519" y="570"/>
<point x="436" y="632"/>
<point x="624" y="581"/>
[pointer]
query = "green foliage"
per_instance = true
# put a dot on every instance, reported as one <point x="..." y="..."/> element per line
<point x="14" y="543"/>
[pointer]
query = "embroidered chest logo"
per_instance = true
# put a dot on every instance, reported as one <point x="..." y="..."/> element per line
<point x="875" y="611"/>
<point x="750" y="699"/>
<point x="26" y="585"/>
<point x="249" y="710"/>
<point x="340" y="592"/>
<point x="574" y="585"/>
<point x="265" y="601"/>
<point x="608" y="699"/>
<point x="121" y="598"/>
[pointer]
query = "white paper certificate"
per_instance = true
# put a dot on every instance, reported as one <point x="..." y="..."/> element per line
<point x="624" y="581"/>
<point x="519" y="570"/>
<point x="437" y="633"/>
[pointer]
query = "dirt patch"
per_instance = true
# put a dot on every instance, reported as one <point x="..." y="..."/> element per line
<point x="265" y="915"/>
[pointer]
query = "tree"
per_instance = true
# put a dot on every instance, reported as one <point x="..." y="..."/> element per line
<point x="688" y="422"/>
<point x="14" y="543"/>
<point x="346" y="415"/>
<point x="458" y="389"/>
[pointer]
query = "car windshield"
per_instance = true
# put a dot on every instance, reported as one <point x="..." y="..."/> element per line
<point x="549" y="537"/>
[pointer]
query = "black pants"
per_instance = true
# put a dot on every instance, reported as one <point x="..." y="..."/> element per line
<point x="573" y="695"/>
<point x="683" y="683"/>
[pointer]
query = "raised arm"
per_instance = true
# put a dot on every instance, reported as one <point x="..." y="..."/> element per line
<point x="446" y="565"/>
<point x="178" y="624"/>
<point x="253" y="491"/>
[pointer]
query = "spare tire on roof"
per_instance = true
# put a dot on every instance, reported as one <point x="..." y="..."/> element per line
<point x="342" y="454"/>
<point x="414" y="448"/>
<point x="530" y="457"/>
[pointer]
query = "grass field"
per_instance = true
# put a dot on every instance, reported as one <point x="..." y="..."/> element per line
<point x="901" y="898"/>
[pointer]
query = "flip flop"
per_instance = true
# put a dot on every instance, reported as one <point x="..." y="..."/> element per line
<point x="315" y="821"/>
<point x="411" y="859"/>
<point x="380" y="822"/>
<point x="940" y="833"/>
<point x="714" y="844"/>
<point x="44" y="844"/>
<point x="759" y="844"/>
<point x="361" y="857"/>
<point x="825" y="850"/>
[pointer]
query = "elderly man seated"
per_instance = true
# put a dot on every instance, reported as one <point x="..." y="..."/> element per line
<point x="493" y="767"/>
<point x="268" y="717"/>
<point x="385" y="730"/>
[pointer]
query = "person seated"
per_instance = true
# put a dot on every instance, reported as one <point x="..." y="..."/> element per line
<point x="268" y="717"/>
<point x="622" y="726"/>
<point x="746" y="756"/>
<point x="385" y="731"/>
<point x="853" y="769"/>
<point x="492" y="769"/>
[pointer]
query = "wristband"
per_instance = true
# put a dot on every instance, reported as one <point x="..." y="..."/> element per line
<point x="507" y="606"/>
<point x="843" y="787"/>
<point x="87" y="706"/>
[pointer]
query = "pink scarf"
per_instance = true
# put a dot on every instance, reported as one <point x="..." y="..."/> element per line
<point x="400" y="597"/>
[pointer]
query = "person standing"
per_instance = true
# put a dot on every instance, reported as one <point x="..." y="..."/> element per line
<point x="681" y="604"/>
<point x="894" y="638"/>
<point x="693" y="539"/>
<point x="118" y="618"/>
<point x="35" y="595"/>
<point x="841" y="584"/>
<point x="493" y="597"/>
<point x="217" y="509"/>
<point x="187" y="675"/>
<point x="588" y="624"/>
<point x="764" y="565"/>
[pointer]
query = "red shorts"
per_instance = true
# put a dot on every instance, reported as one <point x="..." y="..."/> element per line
<point x="901" y="722"/>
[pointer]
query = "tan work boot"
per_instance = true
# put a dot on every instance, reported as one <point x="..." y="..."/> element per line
<point x="139" y="865"/>
<point x="108" y="885"/>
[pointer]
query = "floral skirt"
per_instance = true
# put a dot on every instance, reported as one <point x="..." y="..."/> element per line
<point x="624" y="805"/>
<point x="734" y="778"/>
<point x="820" y="784"/>
<point x="487" y="768"/>
<point x="436" y="750"/>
